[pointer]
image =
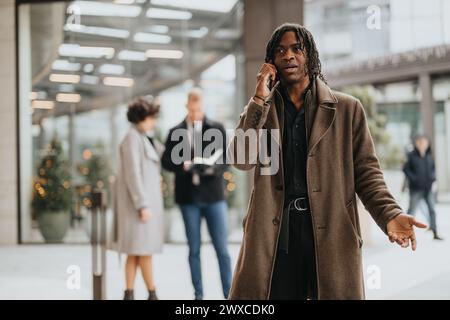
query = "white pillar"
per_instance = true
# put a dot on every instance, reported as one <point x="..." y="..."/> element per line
<point x="445" y="183"/>
<point x="26" y="146"/>
<point x="8" y="139"/>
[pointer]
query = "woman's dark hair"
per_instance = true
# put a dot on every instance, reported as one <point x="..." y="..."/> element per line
<point x="313" y="65"/>
<point x="141" y="108"/>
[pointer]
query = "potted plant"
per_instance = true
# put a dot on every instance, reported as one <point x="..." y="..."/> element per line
<point x="52" y="194"/>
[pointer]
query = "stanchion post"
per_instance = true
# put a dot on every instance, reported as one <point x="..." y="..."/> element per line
<point x="98" y="242"/>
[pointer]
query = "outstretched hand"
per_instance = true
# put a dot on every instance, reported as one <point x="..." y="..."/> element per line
<point x="401" y="230"/>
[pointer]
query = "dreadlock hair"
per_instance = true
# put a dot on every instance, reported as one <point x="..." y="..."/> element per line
<point x="313" y="66"/>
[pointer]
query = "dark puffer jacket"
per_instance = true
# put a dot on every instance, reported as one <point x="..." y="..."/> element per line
<point x="420" y="171"/>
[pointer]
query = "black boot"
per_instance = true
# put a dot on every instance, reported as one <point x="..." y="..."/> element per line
<point x="152" y="295"/>
<point x="435" y="236"/>
<point x="129" y="295"/>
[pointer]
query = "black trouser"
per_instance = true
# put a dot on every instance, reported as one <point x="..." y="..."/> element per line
<point x="294" y="274"/>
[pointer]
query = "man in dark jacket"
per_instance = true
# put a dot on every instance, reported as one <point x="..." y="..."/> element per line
<point x="420" y="172"/>
<point x="199" y="187"/>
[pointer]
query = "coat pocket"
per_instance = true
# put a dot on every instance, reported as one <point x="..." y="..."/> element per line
<point x="353" y="219"/>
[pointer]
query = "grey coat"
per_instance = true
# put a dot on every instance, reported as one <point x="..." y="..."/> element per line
<point x="138" y="185"/>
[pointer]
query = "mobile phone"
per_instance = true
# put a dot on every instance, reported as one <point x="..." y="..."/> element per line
<point x="270" y="83"/>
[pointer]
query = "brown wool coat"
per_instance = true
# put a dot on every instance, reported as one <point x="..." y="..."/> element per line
<point x="341" y="163"/>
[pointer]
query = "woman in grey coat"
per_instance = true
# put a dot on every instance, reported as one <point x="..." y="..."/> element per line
<point x="138" y="204"/>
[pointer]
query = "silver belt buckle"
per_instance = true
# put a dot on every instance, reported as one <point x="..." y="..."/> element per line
<point x="297" y="204"/>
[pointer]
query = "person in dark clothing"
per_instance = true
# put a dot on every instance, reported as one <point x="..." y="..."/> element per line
<point x="302" y="238"/>
<point x="295" y="259"/>
<point x="420" y="173"/>
<point x="199" y="189"/>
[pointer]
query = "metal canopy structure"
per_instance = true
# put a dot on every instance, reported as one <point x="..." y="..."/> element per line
<point x="391" y="67"/>
<point x="142" y="47"/>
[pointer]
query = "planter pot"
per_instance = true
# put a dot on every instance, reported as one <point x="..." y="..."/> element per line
<point x="54" y="225"/>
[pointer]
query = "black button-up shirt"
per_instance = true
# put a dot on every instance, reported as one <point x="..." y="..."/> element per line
<point x="295" y="147"/>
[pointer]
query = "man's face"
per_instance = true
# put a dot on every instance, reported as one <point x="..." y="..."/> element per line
<point x="422" y="145"/>
<point x="290" y="59"/>
<point x="195" y="107"/>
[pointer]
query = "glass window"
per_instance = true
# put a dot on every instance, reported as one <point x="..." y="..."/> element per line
<point x="358" y="30"/>
<point x="81" y="62"/>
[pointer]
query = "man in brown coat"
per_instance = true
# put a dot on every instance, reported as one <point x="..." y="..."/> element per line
<point x="302" y="237"/>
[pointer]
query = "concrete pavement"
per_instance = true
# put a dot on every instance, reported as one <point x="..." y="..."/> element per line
<point x="48" y="271"/>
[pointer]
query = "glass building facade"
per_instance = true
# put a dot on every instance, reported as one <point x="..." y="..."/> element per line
<point x="377" y="35"/>
<point x="81" y="62"/>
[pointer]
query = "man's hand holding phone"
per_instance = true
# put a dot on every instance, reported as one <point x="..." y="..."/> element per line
<point x="264" y="82"/>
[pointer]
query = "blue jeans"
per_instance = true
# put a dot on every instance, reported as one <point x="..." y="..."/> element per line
<point x="414" y="199"/>
<point x="216" y="219"/>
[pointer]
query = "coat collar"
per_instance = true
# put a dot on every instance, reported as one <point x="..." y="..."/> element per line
<point x="324" y="95"/>
<point x="319" y="118"/>
<point x="149" y="150"/>
<point x="206" y="123"/>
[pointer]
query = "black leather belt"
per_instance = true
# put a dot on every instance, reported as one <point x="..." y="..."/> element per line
<point x="296" y="206"/>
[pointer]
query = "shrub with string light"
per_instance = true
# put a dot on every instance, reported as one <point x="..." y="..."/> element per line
<point x="96" y="171"/>
<point x="52" y="190"/>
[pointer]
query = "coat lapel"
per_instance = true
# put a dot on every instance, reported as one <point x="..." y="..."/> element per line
<point x="322" y="114"/>
<point x="320" y="117"/>
<point x="150" y="151"/>
<point x="275" y="117"/>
